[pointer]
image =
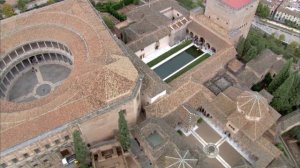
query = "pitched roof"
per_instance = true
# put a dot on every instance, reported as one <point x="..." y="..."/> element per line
<point x="85" y="90"/>
<point x="252" y="105"/>
<point x="148" y="24"/>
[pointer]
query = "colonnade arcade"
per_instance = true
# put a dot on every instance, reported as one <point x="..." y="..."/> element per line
<point x="26" y="56"/>
<point x="199" y="40"/>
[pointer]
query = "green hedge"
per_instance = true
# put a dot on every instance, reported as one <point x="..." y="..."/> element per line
<point x="199" y="120"/>
<point x="112" y="7"/>
<point x="169" y="53"/>
<point x="192" y="65"/>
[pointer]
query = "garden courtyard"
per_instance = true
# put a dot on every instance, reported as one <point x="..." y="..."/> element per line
<point x="177" y="60"/>
<point x="220" y="153"/>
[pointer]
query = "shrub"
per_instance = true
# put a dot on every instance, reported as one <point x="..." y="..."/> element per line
<point x="21" y="4"/>
<point x="179" y="132"/>
<point x="123" y="135"/>
<point x="108" y="22"/>
<point x="199" y="120"/>
<point x="8" y="10"/>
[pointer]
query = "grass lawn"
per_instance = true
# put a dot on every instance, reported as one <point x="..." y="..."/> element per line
<point x="169" y="53"/>
<point x="192" y="65"/>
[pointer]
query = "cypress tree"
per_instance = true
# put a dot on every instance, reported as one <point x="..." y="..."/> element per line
<point x="295" y="98"/>
<point x="247" y="46"/>
<point x="296" y="132"/>
<point x="251" y="53"/>
<point x="283" y="96"/>
<point x="124" y="136"/>
<point x="280" y="77"/>
<point x="81" y="150"/>
<point x="240" y="46"/>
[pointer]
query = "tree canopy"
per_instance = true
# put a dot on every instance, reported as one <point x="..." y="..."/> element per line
<point x="81" y="150"/>
<point x="262" y="41"/>
<point x="262" y="10"/>
<point x="281" y="37"/>
<point x="250" y="54"/>
<point x="287" y="95"/>
<point x="283" y="74"/>
<point x="124" y="136"/>
<point x="21" y="4"/>
<point x="109" y="23"/>
<point x="240" y="46"/>
<point x="50" y="2"/>
<point x="8" y="10"/>
<point x="296" y="133"/>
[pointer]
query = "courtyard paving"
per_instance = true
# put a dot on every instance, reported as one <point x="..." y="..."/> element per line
<point x="37" y="82"/>
<point x="219" y="152"/>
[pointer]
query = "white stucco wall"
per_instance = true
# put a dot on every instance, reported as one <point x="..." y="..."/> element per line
<point x="164" y="42"/>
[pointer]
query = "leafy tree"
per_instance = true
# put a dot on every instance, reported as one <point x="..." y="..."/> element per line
<point x="50" y="2"/>
<point x="283" y="96"/>
<point x="8" y="10"/>
<point x="136" y="2"/>
<point x="2" y="1"/>
<point x="296" y="133"/>
<point x="295" y="98"/>
<point x="124" y="136"/>
<point x="21" y="4"/>
<point x="127" y="2"/>
<point x="251" y="53"/>
<point x="262" y="10"/>
<point x="292" y="24"/>
<point x="81" y="150"/>
<point x="281" y="37"/>
<point x="247" y="46"/>
<point x="240" y="46"/>
<point x="108" y="22"/>
<point x="281" y="76"/>
<point x="293" y="45"/>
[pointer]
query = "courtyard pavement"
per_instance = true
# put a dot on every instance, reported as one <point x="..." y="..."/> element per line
<point x="219" y="152"/>
<point x="37" y="82"/>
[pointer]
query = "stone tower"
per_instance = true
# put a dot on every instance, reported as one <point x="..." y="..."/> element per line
<point x="235" y="16"/>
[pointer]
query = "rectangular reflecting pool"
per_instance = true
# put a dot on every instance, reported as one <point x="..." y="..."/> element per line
<point x="174" y="64"/>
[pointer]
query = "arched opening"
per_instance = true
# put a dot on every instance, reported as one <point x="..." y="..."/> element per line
<point x="196" y="38"/>
<point x="208" y="45"/>
<point x="202" y="41"/>
<point x="191" y="34"/>
<point x="213" y="50"/>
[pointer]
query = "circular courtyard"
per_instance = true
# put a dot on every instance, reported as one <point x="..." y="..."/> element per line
<point x="33" y="70"/>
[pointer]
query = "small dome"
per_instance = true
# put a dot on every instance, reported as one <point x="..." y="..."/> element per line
<point x="252" y="105"/>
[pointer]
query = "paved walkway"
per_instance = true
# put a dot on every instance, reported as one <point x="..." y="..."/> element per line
<point x="140" y="156"/>
<point x="270" y="29"/>
<point x="211" y="149"/>
<point x="37" y="82"/>
<point x="287" y="122"/>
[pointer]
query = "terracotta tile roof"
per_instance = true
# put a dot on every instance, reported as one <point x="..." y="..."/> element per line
<point x="101" y="73"/>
